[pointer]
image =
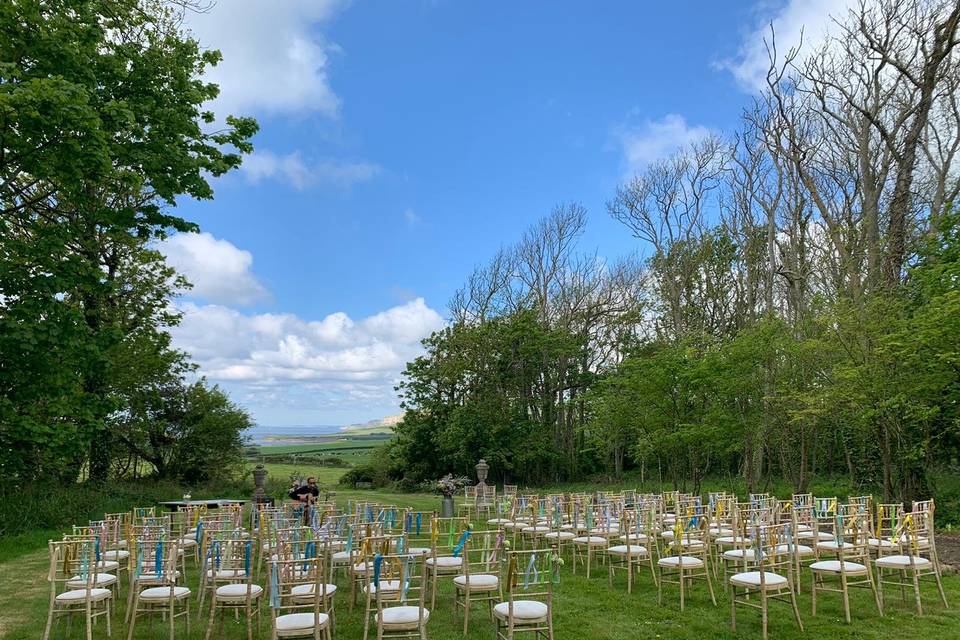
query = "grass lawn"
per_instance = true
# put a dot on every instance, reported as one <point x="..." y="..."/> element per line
<point x="583" y="608"/>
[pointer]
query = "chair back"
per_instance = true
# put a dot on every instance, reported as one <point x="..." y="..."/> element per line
<point x="530" y="575"/>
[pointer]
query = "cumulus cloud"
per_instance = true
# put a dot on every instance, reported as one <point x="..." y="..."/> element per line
<point x="411" y="217"/>
<point x="657" y="139"/>
<point x="275" y="60"/>
<point x="294" y="170"/>
<point x="794" y="22"/>
<point x="280" y="359"/>
<point x="219" y="271"/>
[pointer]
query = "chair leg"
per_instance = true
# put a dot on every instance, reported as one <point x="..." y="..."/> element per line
<point x="733" y="608"/>
<point x="796" y="611"/>
<point x="916" y="591"/>
<point x="46" y="631"/>
<point x="213" y="614"/>
<point x="846" y="596"/>
<point x="936" y="576"/>
<point x="713" y="598"/>
<point x="681" y="584"/>
<point x="813" y="594"/>
<point x="763" y="613"/>
<point x="132" y="613"/>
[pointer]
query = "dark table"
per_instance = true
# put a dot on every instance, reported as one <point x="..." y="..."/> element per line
<point x="212" y="503"/>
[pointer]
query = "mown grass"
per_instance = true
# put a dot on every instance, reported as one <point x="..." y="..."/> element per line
<point x="583" y="608"/>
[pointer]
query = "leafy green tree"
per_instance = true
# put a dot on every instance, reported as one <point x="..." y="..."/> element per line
<point x="102" y="127"/>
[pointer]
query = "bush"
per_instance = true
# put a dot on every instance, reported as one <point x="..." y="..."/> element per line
<point x="56" y="507"/>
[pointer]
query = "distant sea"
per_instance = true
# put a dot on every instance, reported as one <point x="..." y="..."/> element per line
<point x="265" y="434"/>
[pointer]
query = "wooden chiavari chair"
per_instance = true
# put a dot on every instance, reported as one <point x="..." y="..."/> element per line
<point x="849" y="561"/>
<point x="76" y="585"/>
<point x="528" y="607"/>
<point x="770" y="576"/>
<point x="480" y="581"/>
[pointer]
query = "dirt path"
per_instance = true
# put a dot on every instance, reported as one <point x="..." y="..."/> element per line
<point x="948" y="548"/>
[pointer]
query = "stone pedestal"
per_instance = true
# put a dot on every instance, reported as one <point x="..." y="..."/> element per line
<point x="446" y="507"/>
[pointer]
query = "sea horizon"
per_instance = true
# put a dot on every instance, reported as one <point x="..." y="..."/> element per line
<point x="264" y="434"/>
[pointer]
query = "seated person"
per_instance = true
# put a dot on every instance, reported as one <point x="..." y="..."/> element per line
<point x="306" y="493"/>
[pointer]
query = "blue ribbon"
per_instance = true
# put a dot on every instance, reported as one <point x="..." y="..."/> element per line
<point x="377" y="565"/>
<point x="274" y="587"/>
<point x="158" y="558"/>
<point x="459" y="546"/>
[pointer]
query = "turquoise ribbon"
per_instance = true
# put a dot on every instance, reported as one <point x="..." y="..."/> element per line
<point x="531" y="568"/>
<point x="274" y="586"/>
<point x="377" y="566"/>
<point x="459" y="546"/>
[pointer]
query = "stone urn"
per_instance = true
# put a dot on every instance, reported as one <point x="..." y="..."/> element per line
<point x="446" y="507"/>
<point x="259" y="478"/>
<point x="482" y="470"/>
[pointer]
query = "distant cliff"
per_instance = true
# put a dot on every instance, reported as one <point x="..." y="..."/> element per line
<point x="382" y="424"/>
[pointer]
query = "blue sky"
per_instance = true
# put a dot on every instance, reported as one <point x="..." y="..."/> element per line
<point x="402" y="143"/>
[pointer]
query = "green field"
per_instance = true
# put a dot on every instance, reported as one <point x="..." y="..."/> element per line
<point x="281" y="460"/>
<point x="583" y="608"/>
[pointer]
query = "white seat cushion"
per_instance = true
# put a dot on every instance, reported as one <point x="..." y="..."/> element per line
<point x="833" y="545"/>
<point x="499" y="521"/>
<point x="153" y="577"/>
<point x="238" y="591"/>
<point x="633" y="549"/>
<point x="162" y="593"/>
<point x="445" y="562"/>
<point x="560" y="535"/>
<point x="922" y="543"/>
<point x="729" y="540"/>
<point x="301" y="621"/>
<point x="404" y="616"/>
<point x="386" y="586"/>
<point x="902" y="562"/>
<point x="833" y="566"/>
<point x="78" y="595"/>
<point x="226" y="573"/>
<point x="116" y="554"/>
<point x="593" y="541"/>
<point x="188" y="541"/>
<point x="612" y="531"/>
<point x="100" y="580"/>
<point x="108" y="565"/>
<point x="306" y="590"/>
<point x="799" y="549"/>
<point x="363" y="567"/>
<point x="535" y="529"/>
<point x="877" y="543"/>
<point x="523" y="610"/>
<point x="752" y="579"/>
<point x="634" y="537"/>
<point x="818" y="535"/>
<point x="343" y="556"/>
<point x="738" y="554"/>
<point x="419" y="551"/>
<point x="689" y="562"/>
<point x="477" y="581"/>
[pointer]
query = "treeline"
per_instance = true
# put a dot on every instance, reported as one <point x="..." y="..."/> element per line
<point x="797" y="311"/>
<point x="102" y="129"/>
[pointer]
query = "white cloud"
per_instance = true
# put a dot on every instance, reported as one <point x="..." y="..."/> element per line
<point x="281" y="360"/>
<point x="274" y="58"/>
<point x="300" y="174"/>
<point x="657" y="139"/>
<point x="219" y="271"/>
<point x="794" y="21"/>
<point x="411" y="218"/>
